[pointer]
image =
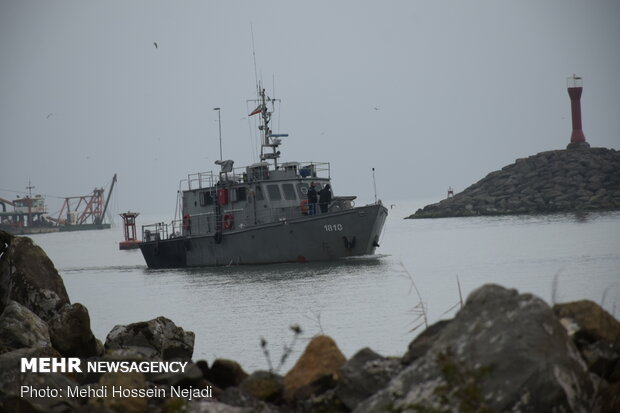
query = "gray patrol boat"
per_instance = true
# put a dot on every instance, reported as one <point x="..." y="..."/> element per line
<point x="260" y="214"/>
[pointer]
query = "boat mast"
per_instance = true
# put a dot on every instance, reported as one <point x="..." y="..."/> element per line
<point x="268" y="139"/>
<point x="264" y="127"/>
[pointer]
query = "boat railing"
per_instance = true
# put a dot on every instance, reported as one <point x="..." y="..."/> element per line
<point x="208" y="179"/>
<point x="199" y="180"/>
<point x="155" y="232"/>
<point x="311" y="169"/>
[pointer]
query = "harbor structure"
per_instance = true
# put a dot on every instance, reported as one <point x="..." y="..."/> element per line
<point x="129" y="228"/>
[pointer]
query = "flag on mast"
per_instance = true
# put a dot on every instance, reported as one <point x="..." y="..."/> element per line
<point x="258" y="109"/>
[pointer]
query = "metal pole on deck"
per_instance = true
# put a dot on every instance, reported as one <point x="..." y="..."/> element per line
<point x="219" y="121"/>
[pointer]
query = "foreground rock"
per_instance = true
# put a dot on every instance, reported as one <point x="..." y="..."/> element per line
<point x="363" y="374"/>
<point x="226" y="373"/>
<point x="590" y="321"/>
<point x="71" y="334"/>
<point x="37" y="319"/>
<point x="597" y="336"/>
<point x="549" y="182"/>
<point x="317" y="370"/>
<point x="11" y="380"/>
<point x="264" y="386"/>
<point x="21" y="328"/>
<point x="157" y="339"/>
<point x="502" y="352"/>
<point x="28" y="277"/>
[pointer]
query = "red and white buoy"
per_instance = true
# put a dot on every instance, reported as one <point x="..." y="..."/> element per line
<point x="129" y="225"/>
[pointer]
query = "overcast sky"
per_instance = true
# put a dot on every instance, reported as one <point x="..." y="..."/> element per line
<point x="430" y="93"/>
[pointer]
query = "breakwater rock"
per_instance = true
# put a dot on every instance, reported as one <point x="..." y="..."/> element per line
<point x="576" y="180"/>
<point x="502" y="352"/>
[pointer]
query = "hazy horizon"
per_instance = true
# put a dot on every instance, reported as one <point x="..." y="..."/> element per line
<point x="430" y="94"/>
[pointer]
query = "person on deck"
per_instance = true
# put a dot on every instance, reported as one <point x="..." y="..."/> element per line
<point x="325" y="197"/>
<point x="312" y="199"/>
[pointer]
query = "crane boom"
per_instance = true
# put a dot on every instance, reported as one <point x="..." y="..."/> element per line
<point x="107" y="201"/>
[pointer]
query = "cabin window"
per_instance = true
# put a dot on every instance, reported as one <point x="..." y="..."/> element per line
<point x="259" y="172"/>
<point x="240" y="194"/>
<point x="233" y="194"/>
<point x="274" y="192"/>
<point x="289" y="192"/>
<point x="259" y="193"/>
<point x="206" y="198"/>
<point x="303" y="190"/>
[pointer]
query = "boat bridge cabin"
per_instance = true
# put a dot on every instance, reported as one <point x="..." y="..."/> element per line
<point x="240" y="198"/>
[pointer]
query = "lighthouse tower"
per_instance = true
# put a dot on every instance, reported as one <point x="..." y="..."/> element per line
<point x="577" y="138"/>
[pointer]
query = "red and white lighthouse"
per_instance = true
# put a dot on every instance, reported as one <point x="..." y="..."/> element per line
<point x="577" y="138"/>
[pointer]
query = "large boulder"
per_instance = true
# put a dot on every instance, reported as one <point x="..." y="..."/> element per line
<point x="28" y="276"/>
<point x="596" y="333"/>
<point x="263" y="385"/>
<point x="317" y="370"/>
<point x="423" y="342"/>
<point x="12" y="380"/>
<point x="20" y="327"/>
<point x="71" y="334"/>
<point x="226" y="373"/>
<point x="363" y="375"/>
<point x="504" y="351"/>
<point x="591" y="322"/>
<point x="157" y="339"/>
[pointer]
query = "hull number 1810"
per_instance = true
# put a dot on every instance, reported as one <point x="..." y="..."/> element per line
<point x="332" y="227"/>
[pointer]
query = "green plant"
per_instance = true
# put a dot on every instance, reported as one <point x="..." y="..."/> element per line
<point x="286" y="352"/>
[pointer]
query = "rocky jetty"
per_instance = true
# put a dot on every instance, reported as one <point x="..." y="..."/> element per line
<point x="572" y="180"/>
<point x="502" y="352"/>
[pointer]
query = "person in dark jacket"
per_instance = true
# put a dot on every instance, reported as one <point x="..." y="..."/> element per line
<point x="325" y="197"/>
<point x="312" y="199"/>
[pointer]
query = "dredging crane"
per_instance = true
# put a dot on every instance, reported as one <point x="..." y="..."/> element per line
<point x="85" y="211"/>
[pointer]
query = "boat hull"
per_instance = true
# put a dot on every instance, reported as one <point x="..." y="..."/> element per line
<point x="351" y="232"/>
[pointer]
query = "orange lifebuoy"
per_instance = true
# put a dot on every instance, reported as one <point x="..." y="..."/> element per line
<point x="303" y="205"/>
<point x="228" y="221"/>
<point x="187" y="222"/>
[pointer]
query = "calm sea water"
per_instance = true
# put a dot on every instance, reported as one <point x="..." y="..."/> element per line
<point x="368" y="301"/>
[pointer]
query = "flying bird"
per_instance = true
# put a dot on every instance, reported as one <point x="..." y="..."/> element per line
<point x="155" y="44"/>
<point x="376" y="108"/>
<point x="49" y="115"/>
